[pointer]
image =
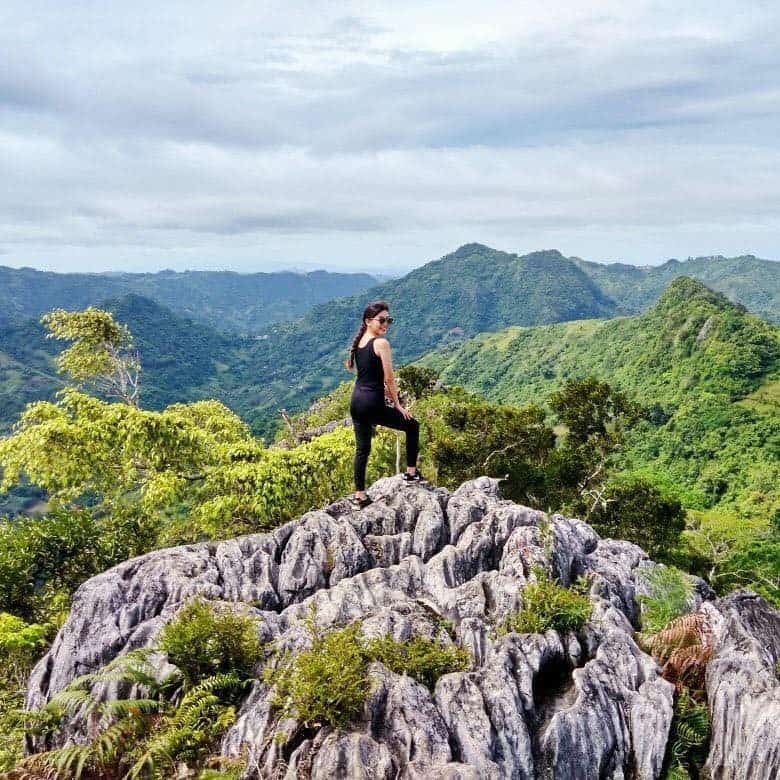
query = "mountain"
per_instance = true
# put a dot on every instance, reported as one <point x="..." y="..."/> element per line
<point x="469" y="291"/>
<point x="748" y="280"/>
<point x="704" y="367"/>
<point x="241" y="303"/>
<point x="472" y="290"/>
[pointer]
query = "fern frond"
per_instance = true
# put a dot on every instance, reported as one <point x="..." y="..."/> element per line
<point x="687" y="630"/>
<point x="128" y="707"/>
<point x="687" y="667"/>
<point x="71" y="701"/>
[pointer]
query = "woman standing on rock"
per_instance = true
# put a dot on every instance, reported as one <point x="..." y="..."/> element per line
<point x="370" y="352"/>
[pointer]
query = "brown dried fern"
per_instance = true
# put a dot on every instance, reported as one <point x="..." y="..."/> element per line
<point x="686" y="668"/>
<point x="689" y="630"/>
<point x="683" y="649"/>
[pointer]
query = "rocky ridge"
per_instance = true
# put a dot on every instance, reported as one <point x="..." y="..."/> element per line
<point x="420" y="560"/>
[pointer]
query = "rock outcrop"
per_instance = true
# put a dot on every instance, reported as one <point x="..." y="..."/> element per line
<point x="451" y="565"/>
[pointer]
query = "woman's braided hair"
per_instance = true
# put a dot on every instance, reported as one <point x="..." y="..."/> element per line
<point x="368" y="314"/>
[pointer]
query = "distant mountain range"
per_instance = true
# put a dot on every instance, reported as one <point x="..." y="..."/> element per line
<point x="748" y="280"/>
<point x="474" y="290"/>
<point x="230" y="302"/>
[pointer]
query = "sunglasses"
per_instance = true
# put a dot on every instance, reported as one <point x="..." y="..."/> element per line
<point x="384" y="320"/>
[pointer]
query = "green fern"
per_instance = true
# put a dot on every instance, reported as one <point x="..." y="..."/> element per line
<point x="689" y="737"/>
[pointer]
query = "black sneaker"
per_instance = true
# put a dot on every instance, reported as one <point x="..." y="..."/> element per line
<point x="361" y="503"/>
<point x="416" y="477"/>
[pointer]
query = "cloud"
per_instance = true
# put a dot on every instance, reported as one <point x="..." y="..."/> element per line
<point x="187" y="127"/>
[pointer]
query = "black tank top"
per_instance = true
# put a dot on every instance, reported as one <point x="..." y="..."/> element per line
<point x="370" y="374"/>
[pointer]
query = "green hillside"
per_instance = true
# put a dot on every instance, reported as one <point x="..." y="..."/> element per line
<point x="472" y="290"/>
<point x="689" y="360"/>
<point x="748" y="280"/>
<point x="231" y="302"/>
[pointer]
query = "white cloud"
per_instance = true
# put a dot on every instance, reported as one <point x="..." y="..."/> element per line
<point x="190" y="134"/>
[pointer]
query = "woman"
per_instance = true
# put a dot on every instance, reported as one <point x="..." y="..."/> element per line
<point x="371" y="353"/>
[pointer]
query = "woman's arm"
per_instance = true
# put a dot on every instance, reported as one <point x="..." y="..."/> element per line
<point x="382" y="348"/>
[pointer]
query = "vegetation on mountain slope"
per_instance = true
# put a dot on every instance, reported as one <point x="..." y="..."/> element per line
<point x="227" y="301"/>
<point x="471" y="290"/>
<point x="747" y="280"/>
<point x="687" y="361"/>
<point x="690" y="373"/>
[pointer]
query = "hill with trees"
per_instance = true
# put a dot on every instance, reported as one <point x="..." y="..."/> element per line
<point x="705" y="370"/>
<point x="473" y="290"/>
<point x="749" y="280"/>
<point x="227" y="301"/>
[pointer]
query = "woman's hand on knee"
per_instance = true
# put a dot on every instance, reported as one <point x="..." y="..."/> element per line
<point x="406" y="414"/>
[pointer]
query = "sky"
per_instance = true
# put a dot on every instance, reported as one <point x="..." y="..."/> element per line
<point x="257" y="136"/>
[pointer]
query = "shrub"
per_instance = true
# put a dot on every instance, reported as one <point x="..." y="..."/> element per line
<point x="421" y="658"/>
<point x="20" y="645"/>
<point x="153" y="737"/>
<point x="635" y="510"/>
<point x="326" y="684"/>
<point x="689" y="739"/>
<point x="547" y="605"/>
<point x="204" y="640"/>
<point x="670" y="597"/>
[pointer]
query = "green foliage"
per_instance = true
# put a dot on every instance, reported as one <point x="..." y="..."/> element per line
<point x="325" y="685"/>
<point x="43" y="560"/>
<point x="204" y="640"/>
<point x="732" y="551"/>
<point x="670" y="596"/>
<point x="416" y="381"/>
<point x="101" y="349"/>
<point x="635" y="510"/>
<point x="176" y="722"/>
<point x="82" y="444"/>
<point x="754" y="565"/>
<point x="688" y="743"/>
<point x="547" y="605"/>
<point x="592" y="410"/>
<point x="328" y="683"/>
<point x="20" y="645"/>
<point x="421" y="658"/>
<point x="689" y="359"/>
<point x="262" y="488"/>
<point x="466" y="437"/>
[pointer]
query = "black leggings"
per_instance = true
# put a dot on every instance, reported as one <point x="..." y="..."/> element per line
<point x="364" y="424"/>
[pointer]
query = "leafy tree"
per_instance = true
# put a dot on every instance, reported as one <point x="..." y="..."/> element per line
<point x="635" y="510"/>
<point x="466" y="437"/>
<point x="81" y="444"/>
<point x="593" y="411"/>
<point x="596" y="416"/>
<point x="417" y="381"/>
<point x="101" y="354"/>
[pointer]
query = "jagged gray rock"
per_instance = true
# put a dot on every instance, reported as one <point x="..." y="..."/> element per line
<point x="743" y="689"/>
<point x="423" y="561"/>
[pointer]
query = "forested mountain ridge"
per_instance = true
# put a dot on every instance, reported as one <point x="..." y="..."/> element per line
<point x="692" y="358"/>
<point x="747" y="279"/>
<point x="228" y="301"/>
<point x="473" y="290"/>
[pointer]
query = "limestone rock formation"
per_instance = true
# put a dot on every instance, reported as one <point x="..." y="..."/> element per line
<point x="419" y="561"/>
